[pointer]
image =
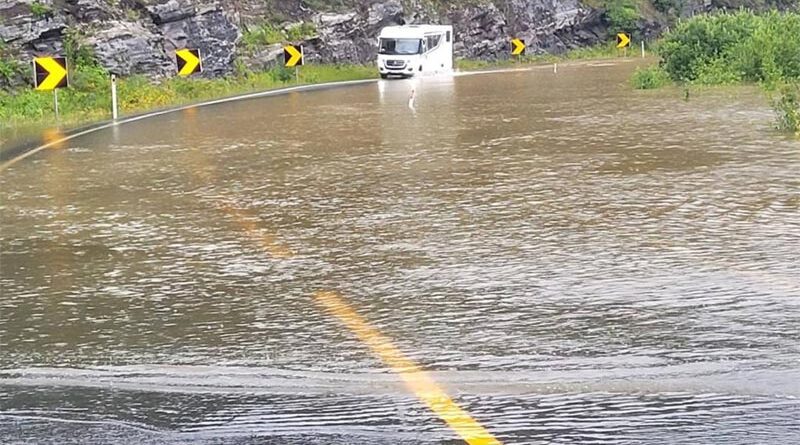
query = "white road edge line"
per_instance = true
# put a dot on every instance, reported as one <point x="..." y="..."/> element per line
<point x="33" y="151"/>
<point x="280" y="91"/>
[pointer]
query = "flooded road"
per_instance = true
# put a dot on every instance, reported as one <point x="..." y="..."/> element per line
<point x="569" y="260"/>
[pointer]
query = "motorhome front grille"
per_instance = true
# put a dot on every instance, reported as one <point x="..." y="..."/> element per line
<point x="395" y="63"/>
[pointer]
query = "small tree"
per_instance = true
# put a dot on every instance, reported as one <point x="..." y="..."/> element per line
<point x="622" y="15"/>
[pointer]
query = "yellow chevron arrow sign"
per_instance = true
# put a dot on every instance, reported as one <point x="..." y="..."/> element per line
<point x="188" y="61"/>
<point x="623" y="40"/>
<point x="517" y="47"/>
<point x="293" y="55"/>
<point x="50" y="73"/>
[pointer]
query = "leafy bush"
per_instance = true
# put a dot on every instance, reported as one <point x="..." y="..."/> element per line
<point x="40" y="10"/>
<point x="282" y="74"/>
<point x="716" y="72"/>
<point x="262" y="35"/>
<point x="667" y="5"/>
<point x="622" y="15"/>
<point x="268" y="34"/>
<point x="7" y="70"/>
<point x="11" y="71"/>
<point x="78" y="54"/>
<point x="650" y="78"/>
<point x="727" y="48"/>
<point x="301" y="31"/>
<point x="787" y="108"/>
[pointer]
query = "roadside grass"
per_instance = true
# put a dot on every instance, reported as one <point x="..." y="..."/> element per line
<point x="597" y="52"/>
<point x="721" y="49"/>
<point x="88" y="99"/>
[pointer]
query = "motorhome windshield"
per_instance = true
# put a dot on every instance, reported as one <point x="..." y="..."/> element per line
<point x="401" y="46"/>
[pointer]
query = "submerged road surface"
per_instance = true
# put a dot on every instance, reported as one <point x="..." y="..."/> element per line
<point x="523" y="257"/>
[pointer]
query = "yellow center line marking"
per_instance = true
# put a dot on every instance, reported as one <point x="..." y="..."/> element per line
<point x="268" y="242"/>
<point x="247" y="221"/>
<point x="416" y="379"/>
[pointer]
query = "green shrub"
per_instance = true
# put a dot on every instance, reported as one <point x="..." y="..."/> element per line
<point x="40" y="10"/>
<point x="78" y="54"/>
<point x="727" y="48"/>
<point x="717" y="72"/>
<point x="622" y="15"/>
<point x="268" y="34"/>
<point x="301" y="31"/>
<point x="787" y="108"/>
<point x="667" y="5"/>
<point x="262" y="35"/>
<point x="11" y="71"/>
<point x="650" y="78"/>
<point x="7" y="70"/>
<point x="282" y="74"/>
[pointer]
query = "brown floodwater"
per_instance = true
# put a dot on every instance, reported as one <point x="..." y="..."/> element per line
<point x="571" y="260"/>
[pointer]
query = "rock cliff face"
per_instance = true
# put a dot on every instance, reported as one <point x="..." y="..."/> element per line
<point x="141" y="36"/>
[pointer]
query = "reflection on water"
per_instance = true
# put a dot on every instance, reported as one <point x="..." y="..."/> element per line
<point x="572" y="261"/>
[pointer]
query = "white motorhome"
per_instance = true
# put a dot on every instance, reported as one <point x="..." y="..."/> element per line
<point x="411" y="50"/>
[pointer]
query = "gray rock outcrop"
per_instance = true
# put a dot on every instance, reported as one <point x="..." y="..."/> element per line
<point x="30" y="31"/>
<point x="542" y="23"/>
<point x="141" y="36"/>
<point x="352" y="36"/>
<point x="126" y="48"/>
<point x="483" y="33"/>
<point x="126" y="37"/>
<point x="209" y="28"/>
